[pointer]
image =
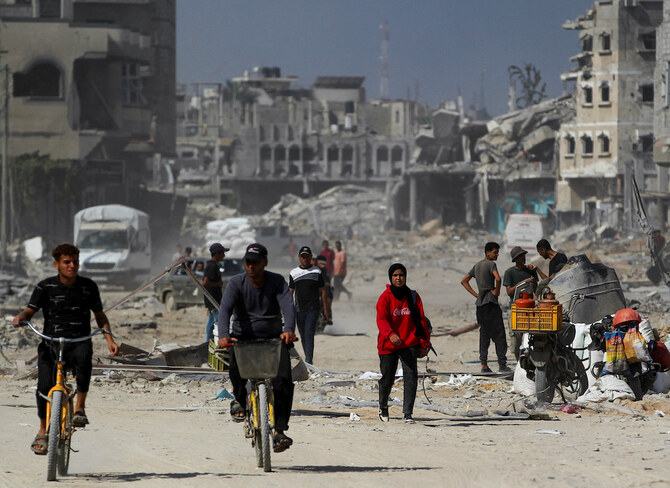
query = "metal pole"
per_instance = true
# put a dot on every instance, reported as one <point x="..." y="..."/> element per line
<point x="5" y="151"/>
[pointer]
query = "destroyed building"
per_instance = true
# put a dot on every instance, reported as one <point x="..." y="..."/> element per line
<point x="611" y="139"/>
<point x="268" y="137"/>
<point x="91" y="82"/>
<point x="661" y="151"/>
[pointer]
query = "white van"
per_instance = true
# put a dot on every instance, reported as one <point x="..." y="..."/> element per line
<point x="522" y="229"/>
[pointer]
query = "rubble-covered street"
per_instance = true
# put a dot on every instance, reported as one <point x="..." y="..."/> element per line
<point x="163" y="429"/>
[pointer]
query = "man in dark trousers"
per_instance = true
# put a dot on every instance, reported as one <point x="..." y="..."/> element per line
<point x="489" y="315"/>
<point x="308" y="288"/>
<point x="515" y="276"/>
<point x="66" y="300"/>
<point x="520" y="272"/>
<point x="557" y="259"/>
<point x="256" y="301"/>
<point x="213" y="283"/>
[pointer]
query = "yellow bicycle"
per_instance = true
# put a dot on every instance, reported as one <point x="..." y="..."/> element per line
<point x="258" y="363"/>
<point x="59" y="408"/>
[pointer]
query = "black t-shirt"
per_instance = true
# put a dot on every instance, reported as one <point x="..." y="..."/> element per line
<point x="307" y="284"/>
<point x="557" y="262"/>
<point x="212" y="273"/>
<point x="66" y="309"/>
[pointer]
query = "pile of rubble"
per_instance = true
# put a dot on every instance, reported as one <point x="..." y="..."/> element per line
<point x="526" y="135"/>
<point x="346" y="210"/>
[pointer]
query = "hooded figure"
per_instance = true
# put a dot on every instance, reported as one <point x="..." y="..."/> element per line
<point x="403" y="335"/>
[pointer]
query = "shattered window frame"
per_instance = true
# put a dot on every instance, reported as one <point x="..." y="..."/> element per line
<point x="587" y="44"/>
<point x="43" y="81"/>
<point x="646" y="92"/>
<point x="605" y="93"/>
<point x="646" y="143"/>
<point x="570" y="146"/>
<point x="605" y="43"/>
<point x="588" y="95"/>
<point x="587" y="145"/>
<point x="132" y="85"/>
<point x="604" y="144"/>
<point x="648" y="41"/>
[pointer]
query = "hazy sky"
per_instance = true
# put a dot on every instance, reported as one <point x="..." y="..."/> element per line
<point x="445" y="44"/>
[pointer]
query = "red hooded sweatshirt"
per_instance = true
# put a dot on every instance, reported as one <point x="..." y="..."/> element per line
<point x="393" y="315"/>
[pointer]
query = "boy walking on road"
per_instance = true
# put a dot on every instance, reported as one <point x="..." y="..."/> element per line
<point x="489" y="314"/>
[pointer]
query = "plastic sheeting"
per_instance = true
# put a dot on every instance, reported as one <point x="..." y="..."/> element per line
<point x="607" y="388"/>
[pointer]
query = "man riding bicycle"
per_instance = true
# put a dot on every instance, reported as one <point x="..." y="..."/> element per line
<point x="256" y="301"/>
<point x="66" y="300"/>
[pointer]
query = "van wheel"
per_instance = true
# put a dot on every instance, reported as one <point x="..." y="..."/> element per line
<point x="170" y="302"/>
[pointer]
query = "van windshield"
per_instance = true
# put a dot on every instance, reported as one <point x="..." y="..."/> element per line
<point x="107" y="239"/>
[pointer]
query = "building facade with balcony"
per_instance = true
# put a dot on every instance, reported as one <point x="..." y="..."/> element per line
<point x="611" y="138"/>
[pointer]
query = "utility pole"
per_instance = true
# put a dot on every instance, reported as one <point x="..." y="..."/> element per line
<point x="5" y="179"/>
<point x="384" y="58"/>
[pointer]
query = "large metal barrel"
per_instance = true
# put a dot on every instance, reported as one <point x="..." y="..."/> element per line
<point x="580" y="275"/>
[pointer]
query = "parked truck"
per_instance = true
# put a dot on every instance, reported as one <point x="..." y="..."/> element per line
<point x="114" y="242"/>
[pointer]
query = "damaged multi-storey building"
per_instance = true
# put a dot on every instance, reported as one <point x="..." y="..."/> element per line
<point x="91" y="82"/>
<point x="611" y="138"/>
<point x="268" y="137"/>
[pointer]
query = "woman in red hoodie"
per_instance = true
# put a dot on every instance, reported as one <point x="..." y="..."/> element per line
<point x="404" y="335"/>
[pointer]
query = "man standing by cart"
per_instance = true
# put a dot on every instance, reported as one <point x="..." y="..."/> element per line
<point x="256" y="301"/>
<point x="489" y="315"/>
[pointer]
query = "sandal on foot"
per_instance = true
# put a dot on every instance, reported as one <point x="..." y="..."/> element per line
<point x="39" y="445"/>
<point x="236" y="411"/>
<point x="79" y="419"/>
<point x="281" y="442"/>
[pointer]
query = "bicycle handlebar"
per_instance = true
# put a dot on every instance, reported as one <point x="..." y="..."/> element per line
<point x="22" y="323"/>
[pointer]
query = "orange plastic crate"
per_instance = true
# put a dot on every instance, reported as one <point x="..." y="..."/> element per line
<point x="537" y="320"/>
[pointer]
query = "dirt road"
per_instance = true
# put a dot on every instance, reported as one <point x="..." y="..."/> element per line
<point x="145" y="433"/>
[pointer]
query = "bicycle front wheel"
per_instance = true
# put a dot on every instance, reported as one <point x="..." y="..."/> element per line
<point x="266" y="435"/>
<point x="66" y="439"/>
<point x="54" y="434"/>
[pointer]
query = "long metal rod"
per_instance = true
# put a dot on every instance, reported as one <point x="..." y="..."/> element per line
<point x="5" y="152"/>
<point x="156" y="368"/>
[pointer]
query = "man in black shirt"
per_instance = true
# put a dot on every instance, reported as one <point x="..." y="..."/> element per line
<point x="558" y="259"/>
<point x="66" y="301"/>
<point x="308" y="288"/>
<point x="213" y="283"/>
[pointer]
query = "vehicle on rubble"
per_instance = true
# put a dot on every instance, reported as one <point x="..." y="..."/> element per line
<point x="114" y="244"/>
<point x="524" y="230"/>
<point x="590" y="291"/>
<point x="177" y="289"/>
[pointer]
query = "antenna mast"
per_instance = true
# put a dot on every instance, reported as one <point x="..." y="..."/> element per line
<point x="384" y="58"/>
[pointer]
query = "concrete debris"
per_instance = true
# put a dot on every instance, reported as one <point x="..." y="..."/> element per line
<point x="526" y="135"/>
<point x="343" y="210"/>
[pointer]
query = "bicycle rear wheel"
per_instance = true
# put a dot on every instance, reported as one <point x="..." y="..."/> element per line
<point x="266" y="438"/>
<point x="66" y="439"/>
<point x="54" y="434"/>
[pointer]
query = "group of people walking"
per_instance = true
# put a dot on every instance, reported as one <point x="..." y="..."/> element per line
<point x="260" y="304"/>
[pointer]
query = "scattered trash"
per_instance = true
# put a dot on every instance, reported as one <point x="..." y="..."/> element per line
<point x="550" y="431"/>
<point x="354" y="417"/>
<point x="223" y="394"/>
<point x="659" y="413"/>
<point x="370" y="375"/>
<point x="461" y="380"/>
<point x="568" y="408"/>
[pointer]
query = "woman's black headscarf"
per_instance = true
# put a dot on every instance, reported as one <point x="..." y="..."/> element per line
<point x="403" y="292"/>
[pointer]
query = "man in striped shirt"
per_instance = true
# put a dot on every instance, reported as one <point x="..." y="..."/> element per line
<point x="308" y="288"/>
